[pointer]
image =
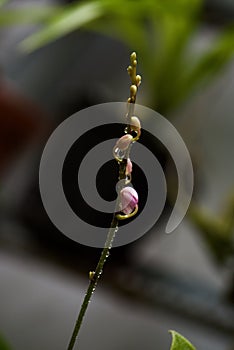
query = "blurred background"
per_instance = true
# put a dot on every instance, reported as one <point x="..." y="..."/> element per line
<point x="57" y="57"/>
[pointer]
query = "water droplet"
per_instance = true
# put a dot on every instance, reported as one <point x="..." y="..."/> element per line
<point x="119" y="154"/>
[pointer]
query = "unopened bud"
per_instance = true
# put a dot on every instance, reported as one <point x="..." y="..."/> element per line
<point x="135" y="124"/>
<point x="128" y="167"/>
<point x="128" y="200"/>
<point x="124" y="142"/>
<point x="133" y="56"/>
<point x="133" y="90"/>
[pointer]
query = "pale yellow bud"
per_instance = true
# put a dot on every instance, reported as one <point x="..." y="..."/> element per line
<point x="133" y="90"/>
<point x="138" y="80"/>
<point x="135" y="123"/>
<point x="133" y="56"/>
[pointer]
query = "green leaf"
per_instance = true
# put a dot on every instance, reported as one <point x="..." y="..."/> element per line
<point x="209" y="65"/>
<point x="2" y="2"/>
<point x="159" y="30"/>
<point x="29" y="15"/>
<point x="179" y="342"/>
<point x="71" y="18"/>
<point x="131" y="12"/>
<point x="215" y="59"/>
<point x="3" y="344"/>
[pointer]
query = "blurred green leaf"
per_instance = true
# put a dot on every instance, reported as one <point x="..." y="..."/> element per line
<point x="72" y="17"/>
<point x="29" y="15"/>
<point x="2" y="2"/>
<point x="3" y="344"/>
<point x="212" y="62"/>
<point x="128" y="12"/>
<point x="159" y="30"/>
<point x="179" y="342"/>
<point x="209" y="64"/>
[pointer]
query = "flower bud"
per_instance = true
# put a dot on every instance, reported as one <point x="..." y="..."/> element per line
<point x="133" y="55"/>
<point x="128" y="167"/>
<point x="129" y="69"/>
<point x="121" y="148"/>
<point x="135" y="124"/>
<point x="138" y="80"/>
<point x="133" y="90"/>
<point x="124" y="142"/>
<point x="128" y="200"/>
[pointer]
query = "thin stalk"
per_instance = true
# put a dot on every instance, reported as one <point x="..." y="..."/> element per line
<point x="94" y="280"/>
<point x="94" y="276"/>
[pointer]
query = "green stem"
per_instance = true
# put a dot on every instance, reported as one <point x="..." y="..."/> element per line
<point x="94" y="280"/>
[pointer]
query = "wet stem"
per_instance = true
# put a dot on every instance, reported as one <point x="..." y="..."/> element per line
<point x="94" y="280"/>
<point x="94" y="277"/>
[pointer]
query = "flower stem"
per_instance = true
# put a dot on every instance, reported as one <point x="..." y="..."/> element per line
<point x="94" y="280"/>
<point x="94" y="276"/>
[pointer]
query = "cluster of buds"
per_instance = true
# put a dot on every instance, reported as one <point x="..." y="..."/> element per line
<point x="135" y="79"/>
<point x="128" y="195"/>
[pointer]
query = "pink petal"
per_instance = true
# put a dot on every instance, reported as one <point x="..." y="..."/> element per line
<point x="128" y="199"/>
<point x="124" y="142"/>
<point x="128" y="167"/>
